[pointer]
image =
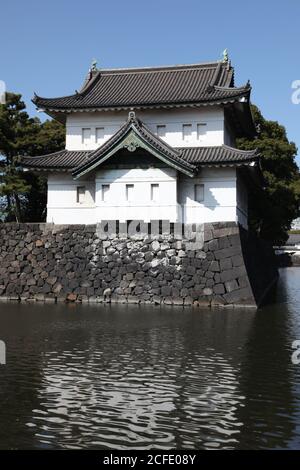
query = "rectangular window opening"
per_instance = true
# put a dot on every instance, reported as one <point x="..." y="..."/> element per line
<point x="155" y="192"/>
<point x="160" y="227"/>
<point x="85" y="135"/>
<point x="199" y="192"/>
<point x="99" y="134"/>
<point x="129" y="192"/>
<point x="80" y="197"/>
<point x="201" y="130"/>
<point x="105" y="191"/>
<point x="186" y="132"/>
<point x="161" y="130"/>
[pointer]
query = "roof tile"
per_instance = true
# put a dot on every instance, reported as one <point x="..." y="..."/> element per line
<point x="173" y="85"/>
<point x="198" y="156"/>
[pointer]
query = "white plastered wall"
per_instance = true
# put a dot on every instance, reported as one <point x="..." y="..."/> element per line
<point x="219" y="202"/>
<point x="173" y="119"/>
<point x="141" y="207"/>
<point x="176" y="200"/>
<point x="62" y="206"/>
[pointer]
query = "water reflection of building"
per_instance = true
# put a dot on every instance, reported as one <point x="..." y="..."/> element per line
<point x="126" y="377"/>
<point x="147" y="381"/>
<point x="296" y="224"/>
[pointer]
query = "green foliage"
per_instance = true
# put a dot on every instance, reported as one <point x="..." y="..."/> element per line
<point x="24" y="193"/>
<point x="273" y="209"/>
<point x="34" y="208"/>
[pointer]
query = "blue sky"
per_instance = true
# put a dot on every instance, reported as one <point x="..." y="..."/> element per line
<point x="47" y="47"/>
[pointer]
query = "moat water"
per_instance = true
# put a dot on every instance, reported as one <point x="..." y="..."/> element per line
<point x="129" y="377"/>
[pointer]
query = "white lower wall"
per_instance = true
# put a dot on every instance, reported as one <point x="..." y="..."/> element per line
<point x="117" y="207"/>
<point x="176" y="197"/>
<point x="71" y="215"/>
<point x="219" y="202"/>
<point x="62" y="207"/>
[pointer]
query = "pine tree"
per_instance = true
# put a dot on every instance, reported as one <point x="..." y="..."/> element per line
<point x="272" y="210"/>
<point x="23" y="194"/>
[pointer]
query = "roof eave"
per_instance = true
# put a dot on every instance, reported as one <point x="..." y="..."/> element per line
<point x="239" y="158"/>
<point x="38" y="169"/>
<point x="129" y="106"/>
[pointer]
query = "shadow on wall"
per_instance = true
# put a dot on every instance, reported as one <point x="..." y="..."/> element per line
<point x="261" y="264"/>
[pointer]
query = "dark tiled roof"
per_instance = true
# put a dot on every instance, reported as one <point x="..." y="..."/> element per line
<point x="198" y="156"/>
<point x="144" y="87"/>
<point x="64" y="159"/>
<point x="216" y="155"/>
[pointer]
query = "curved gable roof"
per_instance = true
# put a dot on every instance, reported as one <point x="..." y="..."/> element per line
<point x="131" y="135"/>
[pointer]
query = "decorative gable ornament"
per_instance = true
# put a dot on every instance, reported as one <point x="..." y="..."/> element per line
<point x="131" y="142"/>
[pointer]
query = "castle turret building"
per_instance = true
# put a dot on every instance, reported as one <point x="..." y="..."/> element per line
<point x="151" y="143"/>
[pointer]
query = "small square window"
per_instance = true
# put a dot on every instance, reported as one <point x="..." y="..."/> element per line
<point x="80" y="194"/>
<point x="199" y="192"/>
<point x="186" y="132"/>
<point x="201" y="130"/>
<point x="154" y="192"/>
<point x="161" y="130"/>
<point x="105" y="191"/>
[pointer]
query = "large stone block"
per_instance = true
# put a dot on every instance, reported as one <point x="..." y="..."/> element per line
<point x="228" y="275"/>
<point x="231" y="285"/>
<point x="227" y="252"/>
<point x="190" y="270"/>
<point x="165" y="291"/>
<point x="213" y="245"/>
<point x="240" y="296"/>
<point x="223" y="242"/>
<point x="219" y="289"/>
<point x="237" y="260"/>
<point x="225" y="264"/>
<point x="214" y="266"/>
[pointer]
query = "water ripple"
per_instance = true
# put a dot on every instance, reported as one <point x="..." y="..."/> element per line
<point x="140" y="378"/>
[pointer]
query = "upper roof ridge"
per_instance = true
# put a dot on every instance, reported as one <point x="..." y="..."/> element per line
<point x="154" y="68"/>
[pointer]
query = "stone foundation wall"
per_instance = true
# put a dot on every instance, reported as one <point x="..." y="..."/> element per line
<point x="44" y="262"/>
